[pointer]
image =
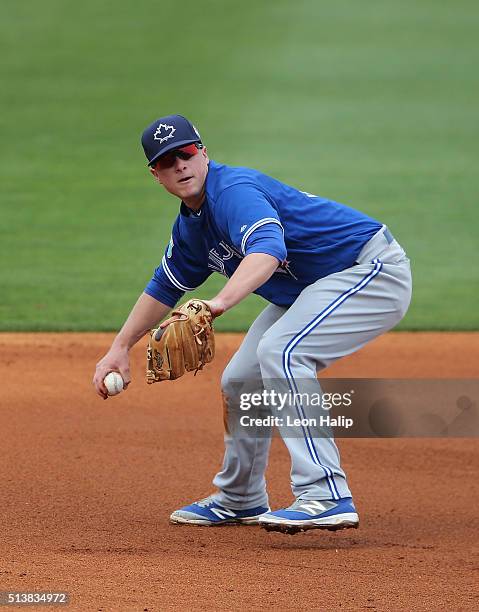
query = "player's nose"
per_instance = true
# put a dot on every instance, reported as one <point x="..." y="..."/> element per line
<point x="179" y="164"/>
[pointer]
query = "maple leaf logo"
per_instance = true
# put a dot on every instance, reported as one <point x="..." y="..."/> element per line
<point x="164" y="132"/>
<point x="283" y="268"/>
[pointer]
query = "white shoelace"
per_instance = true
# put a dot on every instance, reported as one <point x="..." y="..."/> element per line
<point x="207" y="501"/>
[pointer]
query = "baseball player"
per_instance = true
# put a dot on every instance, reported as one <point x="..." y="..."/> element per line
<point x="334" y="279"/>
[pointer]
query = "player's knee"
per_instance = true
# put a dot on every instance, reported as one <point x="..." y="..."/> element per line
<point x="268" y="350"/>
<point x="226" y="380"/>
<point x="272" y="350"/>
<point x="234" y="377"/>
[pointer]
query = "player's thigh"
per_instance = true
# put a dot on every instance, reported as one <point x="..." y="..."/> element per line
<point x="244" y="364"/>
<point x="338" y="314"/>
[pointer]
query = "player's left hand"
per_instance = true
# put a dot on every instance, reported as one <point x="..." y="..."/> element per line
<point x="183" y="343"/>
<point x="216" y="306"/>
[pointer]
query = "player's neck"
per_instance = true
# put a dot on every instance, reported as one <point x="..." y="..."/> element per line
<point x="195" y="202"/>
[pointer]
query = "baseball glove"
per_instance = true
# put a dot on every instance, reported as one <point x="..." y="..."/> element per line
<point x="185" y="342"/>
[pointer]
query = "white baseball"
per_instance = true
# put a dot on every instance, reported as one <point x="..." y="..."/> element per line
<point x="113" y="383"/>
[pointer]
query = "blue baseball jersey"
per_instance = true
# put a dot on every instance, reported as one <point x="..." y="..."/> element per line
<point x="246" y="212"/>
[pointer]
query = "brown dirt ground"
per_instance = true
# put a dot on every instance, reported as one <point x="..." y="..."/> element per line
<point x="87" y="487"/>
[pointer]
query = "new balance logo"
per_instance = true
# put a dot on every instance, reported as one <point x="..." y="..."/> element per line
<point x="223" y="513"/>
<point x="243" y="227"/>
<point x="312" y="507"/>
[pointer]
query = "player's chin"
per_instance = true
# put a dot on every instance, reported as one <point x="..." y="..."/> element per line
<point x="187" y="190"/>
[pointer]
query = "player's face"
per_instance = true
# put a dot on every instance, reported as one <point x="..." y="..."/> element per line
<point x="183" y="173"/>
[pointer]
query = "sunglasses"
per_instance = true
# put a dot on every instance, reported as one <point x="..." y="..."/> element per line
<point x="168" y="159"/>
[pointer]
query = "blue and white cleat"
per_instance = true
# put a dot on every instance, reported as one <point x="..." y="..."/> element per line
<point x="209" y="513"/>
<point x="312" y="514"/>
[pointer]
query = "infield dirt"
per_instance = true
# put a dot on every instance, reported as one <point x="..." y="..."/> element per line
<point x="87" y="487"/>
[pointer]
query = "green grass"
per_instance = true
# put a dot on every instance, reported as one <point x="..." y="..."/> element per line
<point x="371" y="103"/>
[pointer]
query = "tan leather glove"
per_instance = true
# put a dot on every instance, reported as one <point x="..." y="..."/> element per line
<point x="182" y="343"/>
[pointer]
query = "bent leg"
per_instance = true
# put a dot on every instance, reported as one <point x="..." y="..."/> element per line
<point x="241" y="480"/>
<point x="332" y="318"/>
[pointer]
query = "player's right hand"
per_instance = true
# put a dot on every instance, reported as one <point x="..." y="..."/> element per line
<point x="116" y="360"/>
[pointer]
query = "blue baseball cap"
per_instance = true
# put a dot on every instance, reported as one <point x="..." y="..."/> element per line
<point x="166" y="134"/>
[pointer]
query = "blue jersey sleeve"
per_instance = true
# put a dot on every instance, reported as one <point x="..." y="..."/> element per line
<point x="162" y="289"/>
<point x="180" y="270"/>
<point x="251" y="222"/>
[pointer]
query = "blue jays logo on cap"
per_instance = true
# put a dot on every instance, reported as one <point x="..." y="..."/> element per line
<point x="166" y="134"/>
<point x="163" y="129"/>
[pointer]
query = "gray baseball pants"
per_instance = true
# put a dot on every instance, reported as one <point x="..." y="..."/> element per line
<point x="331" y="318"/>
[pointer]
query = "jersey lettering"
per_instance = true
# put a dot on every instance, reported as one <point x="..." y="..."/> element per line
<point x="216" y="260"/>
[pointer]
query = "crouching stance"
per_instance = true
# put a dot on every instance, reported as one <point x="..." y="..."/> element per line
<point x="334" y="279"/>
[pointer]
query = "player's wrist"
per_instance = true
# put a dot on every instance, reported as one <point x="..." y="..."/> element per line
<point x="217" y="306"/>
<point x="122" y="343"/>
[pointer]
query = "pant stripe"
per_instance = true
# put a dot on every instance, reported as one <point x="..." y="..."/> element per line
<point x="293" y="343"/>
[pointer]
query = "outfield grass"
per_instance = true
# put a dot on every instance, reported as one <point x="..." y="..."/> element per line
<point x="371" y="103"/>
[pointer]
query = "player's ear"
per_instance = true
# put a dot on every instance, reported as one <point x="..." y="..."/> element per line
<point x="204" y="152"/>
<point x="154" y="174"/>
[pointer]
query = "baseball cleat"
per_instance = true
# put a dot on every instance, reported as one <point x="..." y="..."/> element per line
<point x="208" y="512"/>
<point x="307" y="514"/>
